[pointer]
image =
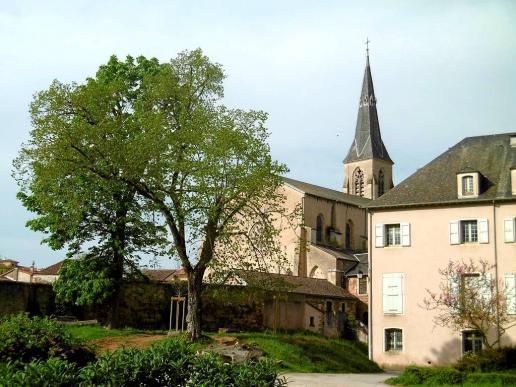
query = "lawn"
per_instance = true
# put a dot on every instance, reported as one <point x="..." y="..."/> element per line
<point x="93" y="332"/>
<point x="305" y="352"/>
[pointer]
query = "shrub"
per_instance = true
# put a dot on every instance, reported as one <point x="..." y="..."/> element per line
<point x="210" y="370"/>
<point x="52" y="372"/>
<point x="414" y="375"/>
<point x="166" y="363"/>
<point x="488" y="360"/>
<point x="27" y="339"/>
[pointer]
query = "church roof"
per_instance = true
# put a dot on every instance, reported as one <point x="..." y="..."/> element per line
<point x="436" y="183"/>
<point x="326" y="193"/>
<point x="367" y="143"/>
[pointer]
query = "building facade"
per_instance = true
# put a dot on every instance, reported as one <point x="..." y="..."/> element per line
<point x="459" y="207"/>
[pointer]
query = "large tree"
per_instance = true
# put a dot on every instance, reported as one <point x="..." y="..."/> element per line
<point x="205" y="168"/>
<point x="103" y="222"/>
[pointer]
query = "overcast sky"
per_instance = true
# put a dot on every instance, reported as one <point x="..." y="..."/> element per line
<point x="442" y="71"/>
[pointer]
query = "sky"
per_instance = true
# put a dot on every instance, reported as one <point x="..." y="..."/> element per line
<point x="442" y="70"/>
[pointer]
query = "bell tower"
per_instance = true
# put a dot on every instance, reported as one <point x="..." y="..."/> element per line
<point x="367" y="166"/>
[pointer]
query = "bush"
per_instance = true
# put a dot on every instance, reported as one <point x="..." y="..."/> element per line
<point x="27" y="339"/>
<point x="52" y="372"/>
<point x="166" y="363"/>
<point x="414" y="375"/>
<point x="210" y="370"/>
<point x="488" y="360"/>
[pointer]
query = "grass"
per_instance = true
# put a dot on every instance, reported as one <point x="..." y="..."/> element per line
<point x="92" y="332"/>
<point x="305" y="352"/>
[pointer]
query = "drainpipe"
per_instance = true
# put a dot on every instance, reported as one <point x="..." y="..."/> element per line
<point x="498" y="332"/>
<point x="370" y="306"/>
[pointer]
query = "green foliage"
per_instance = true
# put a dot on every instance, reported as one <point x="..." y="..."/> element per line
<point x="306" y="352"/>
<point x="488" y="360"/>
<point x="51" y="372"/>
<point x="491" y="379"/>
<point x="166" y="363"/>
<point x="26" y="339"/>
<point x="170" y="363"/>
<point x="210" y="370"/>
<point x="414" y="375"/>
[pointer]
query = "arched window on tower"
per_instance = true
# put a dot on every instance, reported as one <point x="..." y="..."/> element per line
<point x="358" y="182"/>
<point x="319" y="228"/>
<point x="381" y="183"/>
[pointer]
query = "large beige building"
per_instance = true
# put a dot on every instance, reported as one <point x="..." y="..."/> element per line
<point x="460" y="206"/>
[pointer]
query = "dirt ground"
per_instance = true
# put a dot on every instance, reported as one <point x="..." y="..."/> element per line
<point x="132" y="341"/>
<point x="295" y="379"/>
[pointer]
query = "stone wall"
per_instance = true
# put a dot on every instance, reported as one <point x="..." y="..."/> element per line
<point x="16" y="297"/>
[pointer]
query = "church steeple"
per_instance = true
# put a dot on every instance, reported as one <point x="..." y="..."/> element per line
<point x="367" y="143"/>
<point x="367" y="166"/>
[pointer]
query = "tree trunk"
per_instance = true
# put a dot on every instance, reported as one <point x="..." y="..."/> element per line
<point x="193" y="317"/>
<point x="118" y="239"/>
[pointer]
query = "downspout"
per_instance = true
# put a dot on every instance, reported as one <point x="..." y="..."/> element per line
<point x="498" y="332"/>
<point x="370" y="304"/>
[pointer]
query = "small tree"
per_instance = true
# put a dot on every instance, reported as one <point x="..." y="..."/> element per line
<point x="469" y="298"/>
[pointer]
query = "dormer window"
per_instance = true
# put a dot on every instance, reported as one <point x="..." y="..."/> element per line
<point x="468" y="184"/>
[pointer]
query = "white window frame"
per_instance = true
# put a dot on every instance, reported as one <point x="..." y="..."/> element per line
<point x="468" y="187"/>
<point x="466" y="236"/>
<point x="462" y="340"/>
<point x="385" y="340"/>
<point x="396" y="235"/>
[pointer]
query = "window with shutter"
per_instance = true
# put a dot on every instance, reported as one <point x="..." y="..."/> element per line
<point x="393" y="293"/>
<point x="510" y="292"/>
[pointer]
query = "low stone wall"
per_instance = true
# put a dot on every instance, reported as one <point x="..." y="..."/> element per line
<point x="142" y="305"/>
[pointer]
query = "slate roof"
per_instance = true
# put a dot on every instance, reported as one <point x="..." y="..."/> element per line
<point x="436" y="183"/>
<point x="299" y="285"/>
<point x="52" y="269"/>
<point x="326" y="193"/>
<point x="367" y="143"/>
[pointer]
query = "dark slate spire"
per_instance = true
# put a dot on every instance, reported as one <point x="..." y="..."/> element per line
<point x="367" y="143"/>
